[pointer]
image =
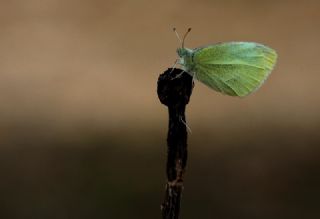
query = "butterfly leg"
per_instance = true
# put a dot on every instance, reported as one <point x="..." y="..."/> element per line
<point x="194" y="77"/>
<point x="184" y="122"/>
<point x="179" y="75"/>
<point x="174" y="65"/>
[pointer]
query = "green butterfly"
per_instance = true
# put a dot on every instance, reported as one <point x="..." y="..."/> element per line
<point x="233" y="68"/>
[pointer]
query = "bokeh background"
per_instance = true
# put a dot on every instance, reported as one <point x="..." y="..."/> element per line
<point x="83" y="134"/>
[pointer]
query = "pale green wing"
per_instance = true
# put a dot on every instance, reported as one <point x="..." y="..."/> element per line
<point x="235" y="68"/>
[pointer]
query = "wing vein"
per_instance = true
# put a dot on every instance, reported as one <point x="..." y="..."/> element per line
<point x="235" y="64"/>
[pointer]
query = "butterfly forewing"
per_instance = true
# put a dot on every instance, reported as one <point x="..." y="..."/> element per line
<point x="235" y="68"/>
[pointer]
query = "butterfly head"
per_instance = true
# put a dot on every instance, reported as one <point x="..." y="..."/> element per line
<point x="182" y="52"/>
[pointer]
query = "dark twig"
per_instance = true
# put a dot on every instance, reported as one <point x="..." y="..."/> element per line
<point x="175" y="92"/>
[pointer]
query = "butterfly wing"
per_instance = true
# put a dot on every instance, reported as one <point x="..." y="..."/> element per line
<point x="235" y="68"/>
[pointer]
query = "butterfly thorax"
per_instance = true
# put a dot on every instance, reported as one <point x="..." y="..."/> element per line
<point x="186" y="59"/>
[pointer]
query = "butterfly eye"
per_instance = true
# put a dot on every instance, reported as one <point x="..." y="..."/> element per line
<point x="178" y="51"/>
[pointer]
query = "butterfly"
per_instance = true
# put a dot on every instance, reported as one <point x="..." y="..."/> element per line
<point x="232" y="68"/>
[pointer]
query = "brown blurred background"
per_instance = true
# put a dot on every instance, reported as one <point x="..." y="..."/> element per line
<point x="82" y="132"/>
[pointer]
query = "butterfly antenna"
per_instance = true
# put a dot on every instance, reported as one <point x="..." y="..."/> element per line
<point x="175" y="30"/>
<point x="185" y="35"/>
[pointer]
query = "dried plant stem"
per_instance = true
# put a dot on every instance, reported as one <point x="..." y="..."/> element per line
<point x="175" y="92"/>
